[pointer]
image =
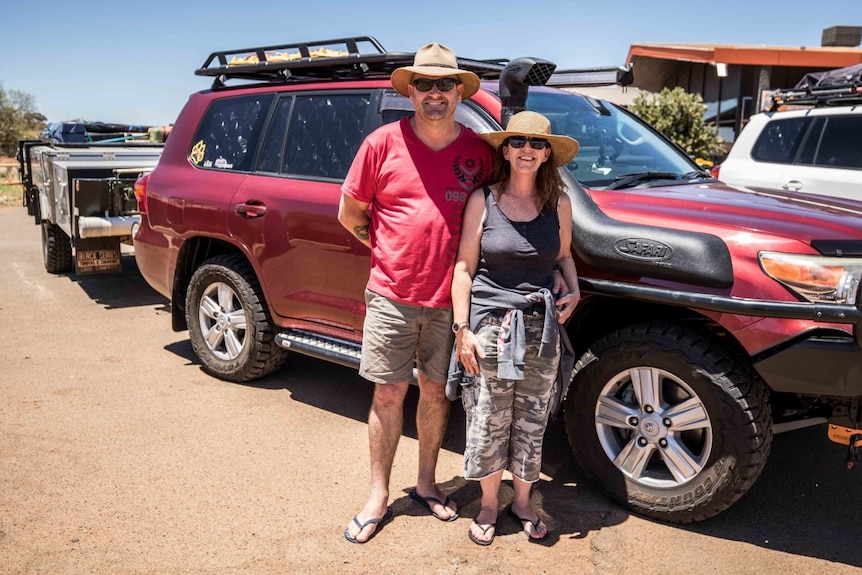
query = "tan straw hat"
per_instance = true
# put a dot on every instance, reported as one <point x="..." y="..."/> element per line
<point x="434" y="60"/>
<point x="535" y="125"/>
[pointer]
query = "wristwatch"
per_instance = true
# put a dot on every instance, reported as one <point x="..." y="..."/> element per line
<point x="458" y="326"/>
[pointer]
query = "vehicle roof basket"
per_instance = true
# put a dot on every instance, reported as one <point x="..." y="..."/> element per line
<point x="843" y="95"/>
<point x="590" y="77"/>
<point x="341" y="58"/>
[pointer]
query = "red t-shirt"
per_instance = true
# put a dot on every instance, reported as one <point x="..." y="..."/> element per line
<point x="415" y="219"/>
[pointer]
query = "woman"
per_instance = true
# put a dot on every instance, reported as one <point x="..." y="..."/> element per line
<point x="514" y="234"/>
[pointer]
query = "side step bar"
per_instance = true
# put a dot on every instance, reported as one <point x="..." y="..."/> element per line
<point x="332" y="349"/>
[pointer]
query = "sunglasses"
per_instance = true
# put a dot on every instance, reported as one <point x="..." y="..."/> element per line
<point x="521" y="141"/>
<point x="443" y="84"/>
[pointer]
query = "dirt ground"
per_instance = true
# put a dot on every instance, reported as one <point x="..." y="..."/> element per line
<point x="118" y="455"/>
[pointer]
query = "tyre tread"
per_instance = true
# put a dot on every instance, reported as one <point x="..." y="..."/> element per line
<point x="58" y="250"/>
<point x="267" y="356"/>
<point x="741" y="385"/>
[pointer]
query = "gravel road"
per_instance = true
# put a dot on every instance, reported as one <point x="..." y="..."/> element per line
<point x="118" y="455"/>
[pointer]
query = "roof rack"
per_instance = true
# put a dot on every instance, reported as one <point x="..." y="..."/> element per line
<point x="591" y="77"/>
<point x="341" y="58"/>
<point x="843" y="95"/>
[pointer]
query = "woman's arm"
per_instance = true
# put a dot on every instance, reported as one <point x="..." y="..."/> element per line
<point x="566" y="304"/>
<point x="466" y="262"/>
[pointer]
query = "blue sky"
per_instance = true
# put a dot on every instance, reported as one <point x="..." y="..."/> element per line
<point x="134" y="61"/>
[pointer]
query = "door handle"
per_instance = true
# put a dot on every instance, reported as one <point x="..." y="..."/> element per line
<point x="794" y="185"/>
<point x="250" y="210"/>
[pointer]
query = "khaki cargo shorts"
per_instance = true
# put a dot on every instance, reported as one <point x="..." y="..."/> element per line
<point x="397" y="336"/>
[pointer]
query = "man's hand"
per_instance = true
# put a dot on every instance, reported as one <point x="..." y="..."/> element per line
<point x="560" y="287"/>
<point x="566" y="306"/>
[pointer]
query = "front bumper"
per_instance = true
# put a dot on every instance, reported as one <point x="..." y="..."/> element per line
<point x="818" y="365"/>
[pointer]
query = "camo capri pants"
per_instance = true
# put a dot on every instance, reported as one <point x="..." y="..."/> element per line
<point x="506" y="419"/>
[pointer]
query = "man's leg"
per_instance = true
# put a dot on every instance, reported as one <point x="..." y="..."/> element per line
<point x="385" y="421"/>
<point x="432" y="416"/>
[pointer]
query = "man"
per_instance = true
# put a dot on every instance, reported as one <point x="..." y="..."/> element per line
<point x="403" y="197"/>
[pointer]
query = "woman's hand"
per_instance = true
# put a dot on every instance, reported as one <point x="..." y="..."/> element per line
<point x="566" y="305"/>
<point x="468" y="350"/>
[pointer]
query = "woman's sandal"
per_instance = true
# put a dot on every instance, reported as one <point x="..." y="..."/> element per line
<point x="484" y="529"/>
<point x="524" y="522"/>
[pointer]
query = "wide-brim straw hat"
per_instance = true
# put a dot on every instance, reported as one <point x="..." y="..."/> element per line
<point x="535" y="125"/>
<point x="434" y="60"/>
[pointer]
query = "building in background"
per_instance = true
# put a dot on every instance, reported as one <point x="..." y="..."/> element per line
<point x="734" y="81"/>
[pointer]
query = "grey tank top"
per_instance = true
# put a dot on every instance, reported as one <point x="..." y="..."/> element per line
<point x="518" y="256"/>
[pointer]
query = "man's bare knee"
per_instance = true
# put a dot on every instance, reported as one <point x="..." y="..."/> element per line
<point x="389" y="395"/>
<point x="431" y="390"/>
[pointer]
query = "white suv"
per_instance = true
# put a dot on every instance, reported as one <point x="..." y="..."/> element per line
<point x="816" y="150"/>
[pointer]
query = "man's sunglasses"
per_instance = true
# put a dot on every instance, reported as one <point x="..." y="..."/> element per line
<point x="443" y="84"/>
<point x="535" y="143"/>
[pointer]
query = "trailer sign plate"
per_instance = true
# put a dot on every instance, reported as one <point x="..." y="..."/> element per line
<point x="97" y="261"/>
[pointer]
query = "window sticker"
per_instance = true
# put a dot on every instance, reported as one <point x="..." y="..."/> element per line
<point x="197" y="153"/>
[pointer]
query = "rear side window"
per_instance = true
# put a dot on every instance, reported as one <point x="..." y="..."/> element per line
<point x="229" y="131"/>
<point x="273" y="146"/>
<point x="324" y="133"/>
<point x="780" y="140"/>
<point x="841" y="143"/>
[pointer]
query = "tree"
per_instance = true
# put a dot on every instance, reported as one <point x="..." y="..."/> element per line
<point x="679" y="115"/>
<point x="18" y="119"/>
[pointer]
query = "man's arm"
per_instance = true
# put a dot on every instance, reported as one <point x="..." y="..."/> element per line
<point x="353" y="215"/>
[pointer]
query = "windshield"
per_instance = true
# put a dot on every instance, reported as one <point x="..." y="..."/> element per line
<point x="617" y="149"/>
<point x="614" y="143"/>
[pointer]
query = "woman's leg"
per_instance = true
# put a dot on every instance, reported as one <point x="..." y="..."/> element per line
<point x="533" y="526"/>
<point x="482" y="526"/>
<point x="531" y="409"/>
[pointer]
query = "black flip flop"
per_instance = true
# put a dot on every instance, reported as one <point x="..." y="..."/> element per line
<point x="484" y="530"/>
<point x="535" y="523"/>
<point x="379" y="521"/>
<point x="426" y="503"/>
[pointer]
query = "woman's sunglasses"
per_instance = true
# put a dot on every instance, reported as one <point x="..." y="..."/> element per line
<point x="535" y="143"/>
<point x="443" y="84"/>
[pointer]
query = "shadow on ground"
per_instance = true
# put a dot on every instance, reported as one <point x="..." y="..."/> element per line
<point x="805" y="503"/>
<point x="120" y="290"/>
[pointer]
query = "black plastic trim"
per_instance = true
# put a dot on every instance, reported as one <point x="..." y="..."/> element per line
<point x="827" y="313"/>
<point x="815" y="366"/>
<point x="639" y="250"/>
<point x="840" y="248"/>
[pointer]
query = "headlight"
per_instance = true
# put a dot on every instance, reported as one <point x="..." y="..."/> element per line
<point x="818" y="279"/>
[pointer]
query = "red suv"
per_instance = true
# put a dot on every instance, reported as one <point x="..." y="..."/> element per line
<point x="712" y="317"/>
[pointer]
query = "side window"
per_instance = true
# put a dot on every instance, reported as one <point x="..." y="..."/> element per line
<point x="229" y="131"/>
<point x="841" y="144"/>
<point x="810" y="142"/>
<point x="273" y="146"/>
<point x="780" y="140"/>
<point x="325" y="133"/>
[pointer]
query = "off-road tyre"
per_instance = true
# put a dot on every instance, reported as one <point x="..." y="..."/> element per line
<point x="56" y="249"/>
<point x="230" y="328"/>
<point x="711" y="413"/>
